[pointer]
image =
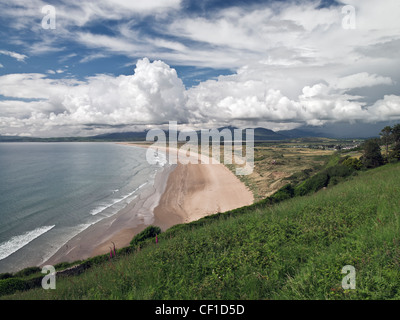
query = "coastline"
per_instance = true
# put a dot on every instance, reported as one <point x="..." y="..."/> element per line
<point x="180" y="193"/>
<point x="120" y="228"/>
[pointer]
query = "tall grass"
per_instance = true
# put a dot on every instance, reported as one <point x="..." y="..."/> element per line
<point x="293" y="250"/>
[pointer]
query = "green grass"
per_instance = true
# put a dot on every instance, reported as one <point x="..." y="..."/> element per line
<point x="292" y="250"/>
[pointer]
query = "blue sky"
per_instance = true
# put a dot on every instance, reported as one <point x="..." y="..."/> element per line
<point x="78" y="60"/>
<point x="139" y="64"/>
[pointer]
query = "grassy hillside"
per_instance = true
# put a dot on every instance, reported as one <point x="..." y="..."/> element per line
<point x="292" y="250"/>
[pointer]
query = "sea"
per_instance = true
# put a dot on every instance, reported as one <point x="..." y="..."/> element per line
<point x="50" y="192"/>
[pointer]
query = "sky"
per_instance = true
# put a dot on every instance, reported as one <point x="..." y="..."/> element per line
<point x="81" y="68"/>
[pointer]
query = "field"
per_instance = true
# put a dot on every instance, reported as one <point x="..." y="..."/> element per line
<point x="274" y="165"/>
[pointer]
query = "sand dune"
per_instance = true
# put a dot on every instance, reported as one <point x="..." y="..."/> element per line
<point x="197" y="190"/>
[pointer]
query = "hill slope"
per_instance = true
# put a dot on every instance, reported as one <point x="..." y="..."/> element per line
<point x="292" y="250"/>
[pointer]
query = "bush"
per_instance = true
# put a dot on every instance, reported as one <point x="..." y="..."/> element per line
<point x="312" y="184"/>
<point x="334" y="181"/>
<point x="149" y="232"/>
<point x="353" y="163"/>
<point x="65" y="265"/>
<point x="9" y="286"/>
<point x="394" y="155"/>
<point x="5" y="275"/>
<point x="300" y="176"/>
<point x="330" y="176"/>
<point x="283" y="193"/>
<point x="339" y="171"/>
<point x="27" y="272"/>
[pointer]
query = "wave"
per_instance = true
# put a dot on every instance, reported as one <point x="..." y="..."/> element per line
<point x="64" y="235"/>
<point x="17" y="242"/>
<point x="115" y="201"/>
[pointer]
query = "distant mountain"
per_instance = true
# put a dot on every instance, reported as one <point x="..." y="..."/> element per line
<point x="122" y="136"/>
<point x="260" y="134"/>
<point x="9" y="138"/>
<point x="301" y="133"/>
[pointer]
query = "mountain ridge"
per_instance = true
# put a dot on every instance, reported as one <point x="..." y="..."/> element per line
<point x="260" y="134"/>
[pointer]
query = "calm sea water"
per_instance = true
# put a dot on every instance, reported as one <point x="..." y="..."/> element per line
<point x="49" y="192"/>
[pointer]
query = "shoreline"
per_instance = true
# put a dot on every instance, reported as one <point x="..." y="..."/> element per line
<point x="119" y="228"/>
<point x="180" y="193"/>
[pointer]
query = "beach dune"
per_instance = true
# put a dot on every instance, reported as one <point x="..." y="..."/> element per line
<point x="197" y="190"/>
<point x="181" y="193"/>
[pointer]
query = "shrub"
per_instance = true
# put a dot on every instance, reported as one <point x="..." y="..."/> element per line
<point x="10" y="285"/>
<point x="332" y="175"/>
<point x="34" y="282"/>
<point x="300" y="176"/>
<point x="5" y="275"/>
<point x="339" y="171"/>
<point x="395" y="153"/>
<point x="353" y="163"/>
<point x="27" y="271"/>
<point x="283" y="193"/>
<point x="65" y="265"/>
<point x="95" y="260"/>
<point x="334" y="181"/>
<point x="149" y="232"/>
<point x="312" y="184"/>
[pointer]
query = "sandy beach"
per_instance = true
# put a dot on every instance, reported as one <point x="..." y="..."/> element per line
<point x="181" y="193"/>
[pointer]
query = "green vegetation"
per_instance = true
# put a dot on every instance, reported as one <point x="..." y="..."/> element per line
<point x="394" y="155"/>
<point x="10" y="285"/>
<point x="294" y="249"/>
<point x="372" y="156"/>
<point x="149" y="233"/>
<point x="292" y="244"/>
<point x="277" y="164"/>
<point x="385" y="134"/>
<point x="390" y="138"/>
<point x="353" y="163"/>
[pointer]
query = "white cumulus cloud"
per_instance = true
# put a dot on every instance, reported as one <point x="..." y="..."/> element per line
<point x="152" y="95"/>
<point x="291" y="62"/>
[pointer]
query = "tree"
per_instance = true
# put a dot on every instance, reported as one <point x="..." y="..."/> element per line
<point x="395" y="153"/>
<point x="396" y="133"/>
<point x="386" y="136"/>
<point x="372" y="156"/>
